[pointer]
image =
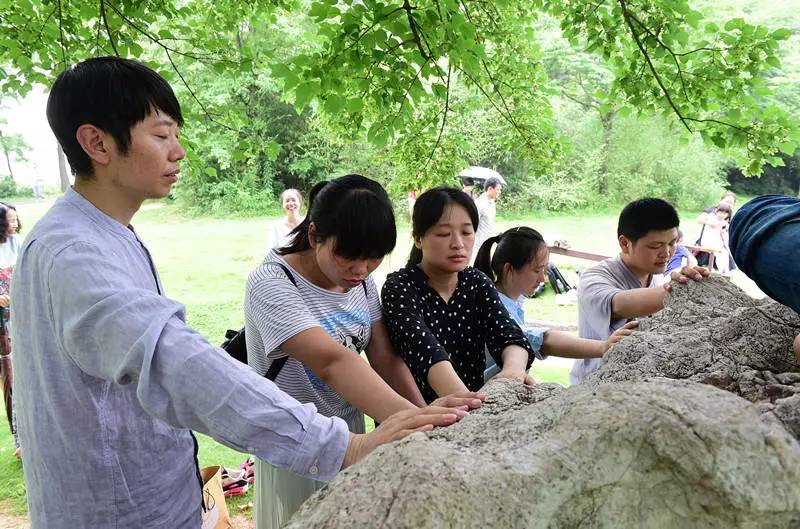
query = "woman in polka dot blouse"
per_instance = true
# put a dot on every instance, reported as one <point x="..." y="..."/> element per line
<point x="517" y="267"/>
<point x="441" y="313"/>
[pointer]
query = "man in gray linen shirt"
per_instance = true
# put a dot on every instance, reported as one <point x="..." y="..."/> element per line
<point x="109" y="380"/>
<point x="632" y="284"/>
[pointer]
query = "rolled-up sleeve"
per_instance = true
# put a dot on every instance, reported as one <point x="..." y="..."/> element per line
<point x="115" y="331"/>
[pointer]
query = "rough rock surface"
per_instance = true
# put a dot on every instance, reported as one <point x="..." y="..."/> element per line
<point x="623" y="451"/>
<point x="714" y="333"/>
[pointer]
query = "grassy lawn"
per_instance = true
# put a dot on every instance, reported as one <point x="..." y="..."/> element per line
<point x="204" y="263"/>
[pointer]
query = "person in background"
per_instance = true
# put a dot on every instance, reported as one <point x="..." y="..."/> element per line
<point x="441" y="313"/>
<point x="681" y="258"/>
<point x="517" y="267"/>
<point x="10" y="227"/>
<point x="714" y="236"/>
<point x="487" y="211"/>
<point x="291" y="202"/>
<point x="113" y="382"/>
<point x="412" y="199"/>
<point x="632" y="284"/>
<point x="311" y="309"/>
<point x="10" y="242"/>
<point x="468" y="186"/>
<point x="764" y="238"/>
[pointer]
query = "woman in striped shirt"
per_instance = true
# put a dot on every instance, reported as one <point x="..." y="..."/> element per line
<point x="313" y="305"/>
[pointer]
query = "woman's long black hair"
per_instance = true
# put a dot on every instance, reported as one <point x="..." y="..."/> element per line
<point x="517" y="247"/>
<point x="353" y="209"/>
<point x="428" y="209"/>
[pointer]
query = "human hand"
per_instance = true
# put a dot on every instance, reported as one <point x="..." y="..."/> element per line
<point x="464" y="400"/>
<point x="695" y="273"/>
<point x="398" y="426"/>
<point x="619" y="334"/>
<point x="5" y="300"/>
<point x="515" y="374"/>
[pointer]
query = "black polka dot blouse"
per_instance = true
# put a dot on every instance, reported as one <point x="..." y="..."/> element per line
<point x="425" y="330"/>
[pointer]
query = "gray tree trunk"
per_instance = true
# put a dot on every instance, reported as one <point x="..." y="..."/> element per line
<point x="8" y="158"/>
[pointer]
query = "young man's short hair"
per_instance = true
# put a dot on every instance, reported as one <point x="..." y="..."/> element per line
<point x="645" y="215"/>
<point x="111" y="93"/>
<point x="491" y="183"/>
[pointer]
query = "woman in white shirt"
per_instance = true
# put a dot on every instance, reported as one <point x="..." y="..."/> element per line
<point x="9" y="245"/>
<point x="291" y="202"/>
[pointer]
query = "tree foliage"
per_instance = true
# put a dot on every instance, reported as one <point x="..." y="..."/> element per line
<point x="286" y="92"/>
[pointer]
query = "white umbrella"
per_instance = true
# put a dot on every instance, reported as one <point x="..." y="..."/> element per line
<point x="481" y="173"/>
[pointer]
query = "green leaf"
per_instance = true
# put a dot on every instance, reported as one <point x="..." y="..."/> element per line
<point x="355" y="104"/>
<point x="210" y="171"/>
<point x="711" y="28"/>
<point x="305" y="92"/>
<point x="693" y="18"/>
<point x="773" y="61"/>
<point x="272" y="150"/>
<point x="788" y="147"/>
<point x="334" y="103"/>
<point x="781" y="34"/>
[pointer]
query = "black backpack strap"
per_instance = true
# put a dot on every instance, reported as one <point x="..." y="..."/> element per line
<point x="276" y="365"/>
<point x="287" y="272"/>
<point x="275" y="368"/>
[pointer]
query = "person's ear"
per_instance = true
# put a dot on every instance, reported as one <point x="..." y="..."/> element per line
<point x="312" y="236"/>
<point x="96" y="143"/>
<point x="418" y="243"/>
<point x="507" y="270"/>
<point x="625" y="245"/>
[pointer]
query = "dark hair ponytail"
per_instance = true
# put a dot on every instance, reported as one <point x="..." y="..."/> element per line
<point x="428" y="209"/>
<point x="483" y="259"/>
<point x="353" y="209"/>
<point x="517" y="247"/>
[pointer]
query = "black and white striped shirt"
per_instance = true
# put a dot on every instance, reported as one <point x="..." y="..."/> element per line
<point x="276" y="310"/>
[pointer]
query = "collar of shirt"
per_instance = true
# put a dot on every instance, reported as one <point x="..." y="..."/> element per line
<point x="631" y="275"/>
<point x="420" y="278"/>
<point x="98" y="217"/>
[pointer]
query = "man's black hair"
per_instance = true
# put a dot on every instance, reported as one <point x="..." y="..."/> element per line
<point x="111" y="93"/>
<point x="645" y="215"/>
<point x="355" y="211"/>
<point x="491" y="183"/>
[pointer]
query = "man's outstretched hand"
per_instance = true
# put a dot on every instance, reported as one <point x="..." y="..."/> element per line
<point x="398" y="426"/>
<point x="694" y="273"/>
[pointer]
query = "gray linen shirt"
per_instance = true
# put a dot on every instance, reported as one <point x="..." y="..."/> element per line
<point x="596" y="291"/>
<point x="109" y="380"/>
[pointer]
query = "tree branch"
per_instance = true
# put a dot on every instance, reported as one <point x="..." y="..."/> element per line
<point x="627" y="17"/>
<point x="444" y="117"/>
<point x="104" y="16"/>
<point x="61" y="33"/>
<point x="413" y="26"/>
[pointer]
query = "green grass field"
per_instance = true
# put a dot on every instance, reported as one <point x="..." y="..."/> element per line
<point x="204" y="263"/>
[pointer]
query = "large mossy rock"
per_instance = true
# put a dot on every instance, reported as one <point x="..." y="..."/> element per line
<point x="712" y="332"/>
<point x="693" y="422"/>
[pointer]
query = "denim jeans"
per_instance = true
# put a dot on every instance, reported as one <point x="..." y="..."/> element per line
<point x="765" y="242"/>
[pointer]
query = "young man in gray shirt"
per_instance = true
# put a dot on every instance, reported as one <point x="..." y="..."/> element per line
<point x="111" y="380"/>
<point x="632" y="284"/>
